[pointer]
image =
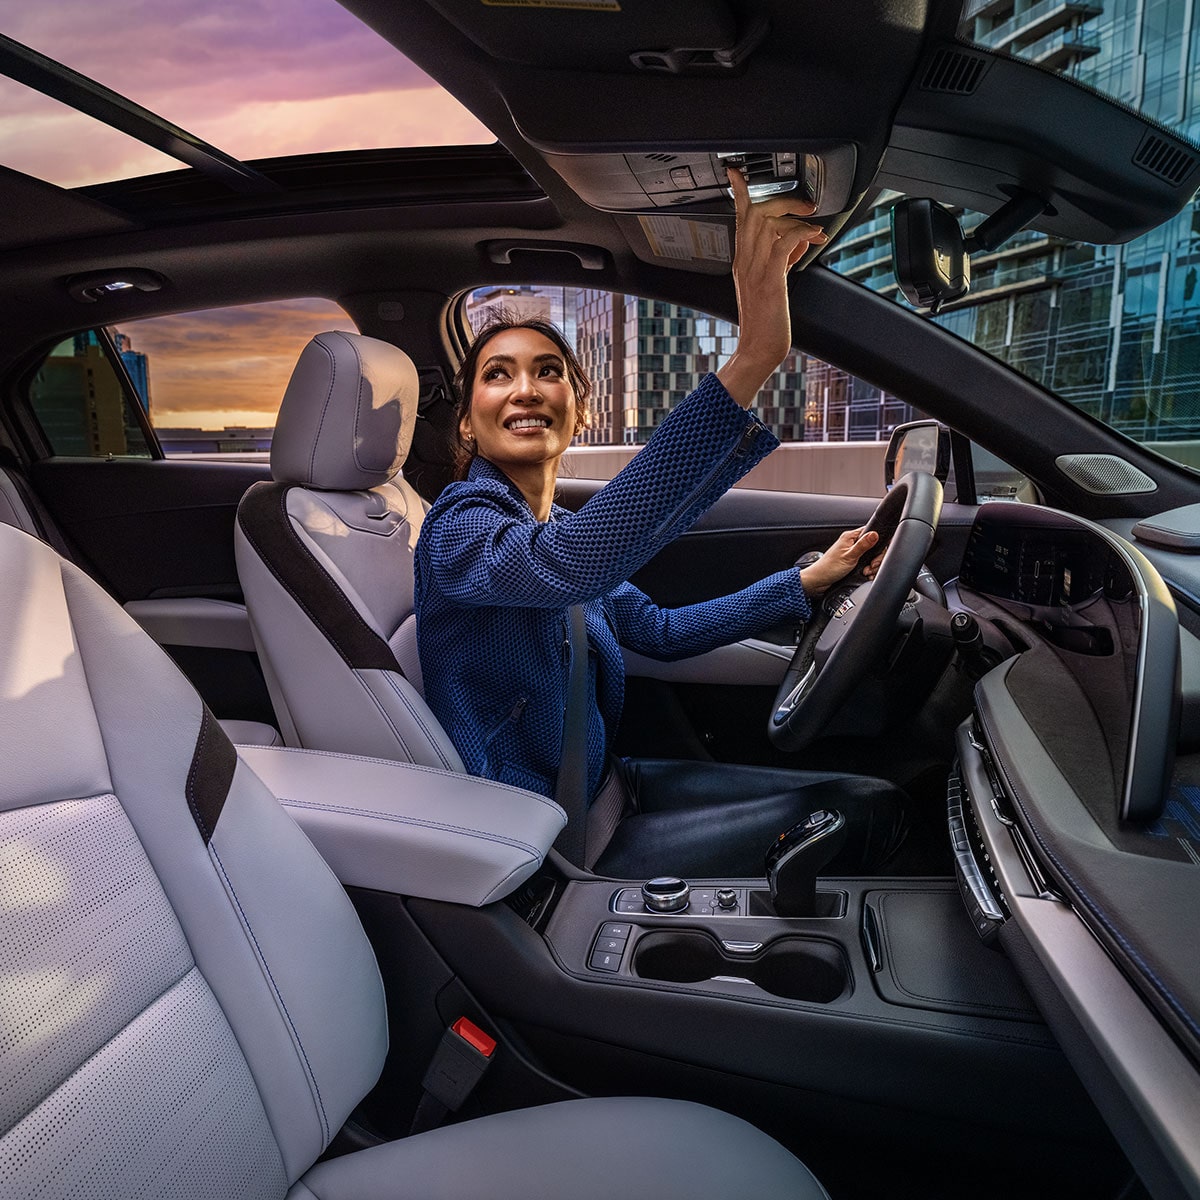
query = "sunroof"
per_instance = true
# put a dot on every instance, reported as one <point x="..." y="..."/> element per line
<point x="257" y="79"/>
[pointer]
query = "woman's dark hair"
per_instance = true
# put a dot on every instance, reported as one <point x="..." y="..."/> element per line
<point x="464" y="379"/>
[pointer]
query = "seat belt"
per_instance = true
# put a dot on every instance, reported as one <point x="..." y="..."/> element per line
<point x="570" y="789"/>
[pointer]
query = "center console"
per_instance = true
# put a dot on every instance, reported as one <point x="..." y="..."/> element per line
<point x="871" y="947"/>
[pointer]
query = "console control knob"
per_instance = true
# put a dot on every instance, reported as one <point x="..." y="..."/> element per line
<point x="665" y="894"/>
<point x="726" y="898"/>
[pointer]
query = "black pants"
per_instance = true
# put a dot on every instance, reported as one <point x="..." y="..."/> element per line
<point x="711" y="820"/>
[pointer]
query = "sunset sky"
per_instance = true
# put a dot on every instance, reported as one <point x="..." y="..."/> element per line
<point x="255" y="78"/>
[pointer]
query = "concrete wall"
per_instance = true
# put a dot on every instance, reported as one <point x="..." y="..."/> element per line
<point x="828" y="468"/>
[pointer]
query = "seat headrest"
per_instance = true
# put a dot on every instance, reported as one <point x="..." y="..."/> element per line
<point x="347" y="416"/>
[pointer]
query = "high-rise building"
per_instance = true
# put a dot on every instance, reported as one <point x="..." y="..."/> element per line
<point x="1114" y="330"/>
<point x="137" y="367"/>
<point x="643" y="356"/>
<point x="80" y="401"/>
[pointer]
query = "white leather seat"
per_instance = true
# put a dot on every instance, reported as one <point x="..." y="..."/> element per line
<point x="188" y="1004"/>
<point x="325" y="557"/>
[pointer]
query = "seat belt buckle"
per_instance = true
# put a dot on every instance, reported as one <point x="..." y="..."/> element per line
<point x="463" y="1055"/>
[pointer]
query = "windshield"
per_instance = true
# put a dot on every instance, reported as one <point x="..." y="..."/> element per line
<point x="1113" y="330"/>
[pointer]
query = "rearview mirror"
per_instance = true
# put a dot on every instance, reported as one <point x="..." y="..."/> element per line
<point x="929" y="253"/>
<point x="918" y="446"/>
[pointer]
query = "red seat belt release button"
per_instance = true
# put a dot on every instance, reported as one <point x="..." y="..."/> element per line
<point x="462" y="1056"/>
<point x="474" y="1036"/>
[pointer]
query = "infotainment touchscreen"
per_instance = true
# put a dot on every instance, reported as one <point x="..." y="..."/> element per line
<point x="1094" y="604"/>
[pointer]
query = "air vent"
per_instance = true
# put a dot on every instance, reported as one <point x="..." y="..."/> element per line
<point x="1164" y="159"/>
<point x="661" y="158"/>
<point x="953" y="71"/>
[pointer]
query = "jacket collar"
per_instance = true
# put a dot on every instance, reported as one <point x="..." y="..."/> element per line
<point x="484" y="470"/>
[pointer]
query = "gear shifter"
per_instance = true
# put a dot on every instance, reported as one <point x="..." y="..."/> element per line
<point x="797" y="856"/>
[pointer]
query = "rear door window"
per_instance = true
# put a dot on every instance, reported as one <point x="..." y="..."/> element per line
<point x="85" y="401"/>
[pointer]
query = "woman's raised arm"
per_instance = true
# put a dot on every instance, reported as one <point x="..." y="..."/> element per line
<point x="772" y="237"/>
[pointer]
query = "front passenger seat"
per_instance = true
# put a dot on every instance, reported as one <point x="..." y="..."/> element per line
<point x="325" y="558"/>
<point x="189" y="1006"/>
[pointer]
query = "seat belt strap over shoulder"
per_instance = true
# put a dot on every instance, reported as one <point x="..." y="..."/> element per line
<point x="570" y="790"/>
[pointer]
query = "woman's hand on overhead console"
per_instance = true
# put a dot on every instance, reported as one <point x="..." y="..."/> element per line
<point x="772" y="236"/>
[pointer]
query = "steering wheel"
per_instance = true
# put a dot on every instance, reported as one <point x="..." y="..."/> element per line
<point x="853" y="622"/>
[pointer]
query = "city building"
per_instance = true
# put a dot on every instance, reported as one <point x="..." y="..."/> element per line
<point x="137" y="367"/>
<point x="643" y="357"/>
<point x="79" y="400"/>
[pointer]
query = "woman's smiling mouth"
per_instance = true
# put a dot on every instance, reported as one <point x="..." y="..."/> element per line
<point x="528" y="423"/>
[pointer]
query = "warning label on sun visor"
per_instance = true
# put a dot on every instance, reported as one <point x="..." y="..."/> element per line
<point x="683" y="240"/>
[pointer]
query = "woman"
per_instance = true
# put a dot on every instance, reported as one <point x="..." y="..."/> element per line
<point x="498" y="566"/>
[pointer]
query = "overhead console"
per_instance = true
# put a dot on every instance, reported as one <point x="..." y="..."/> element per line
<point x="696" y="180"/>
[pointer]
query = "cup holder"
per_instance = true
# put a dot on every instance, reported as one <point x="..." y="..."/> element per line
<point x="796" y="968"/>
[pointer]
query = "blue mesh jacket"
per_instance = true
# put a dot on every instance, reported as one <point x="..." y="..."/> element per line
<point x="493" y="585"/>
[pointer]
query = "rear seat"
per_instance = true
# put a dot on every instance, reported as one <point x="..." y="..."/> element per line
<point x="20" y="506"/>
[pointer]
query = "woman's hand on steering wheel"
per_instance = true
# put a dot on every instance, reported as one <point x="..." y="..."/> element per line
<point x="840" y="646"/>
<point x="839" y="560"/>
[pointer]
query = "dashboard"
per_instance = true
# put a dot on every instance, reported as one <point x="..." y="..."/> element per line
<point x="1073" y="833"/>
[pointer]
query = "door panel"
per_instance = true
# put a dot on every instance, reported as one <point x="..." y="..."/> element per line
<point x="159" y="533"/>
<point x="717" y="705"/>
<point x="151" y="529"/>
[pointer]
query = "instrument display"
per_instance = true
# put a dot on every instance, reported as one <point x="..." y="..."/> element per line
<point x="1043" y="568"/>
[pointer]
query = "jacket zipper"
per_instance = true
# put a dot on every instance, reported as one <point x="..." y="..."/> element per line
<point x="513" y="715"/>
<point x="739" y="451"/>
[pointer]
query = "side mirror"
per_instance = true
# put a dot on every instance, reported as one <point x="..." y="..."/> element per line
<point x="929" y="253"/>
<point x="918" y="446"/>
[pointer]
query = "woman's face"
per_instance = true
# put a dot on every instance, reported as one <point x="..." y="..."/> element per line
<point x="523" y="408"/>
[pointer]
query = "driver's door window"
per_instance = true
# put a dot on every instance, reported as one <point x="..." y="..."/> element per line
<point x="644" y="356"/>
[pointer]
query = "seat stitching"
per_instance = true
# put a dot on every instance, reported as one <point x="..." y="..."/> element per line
<point x="312" y="460"/>
<point x="420" y="822"/>
<point x="496" y="892"/>
<point x="357" y="403"/>
<point x="416" y="716"/>
<point x="312" y="1079"/>
<point x="382" y="712"/>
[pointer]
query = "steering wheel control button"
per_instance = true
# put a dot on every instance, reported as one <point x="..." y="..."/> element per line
<point x="726" y="899"/>
<point x="665" y="894"/>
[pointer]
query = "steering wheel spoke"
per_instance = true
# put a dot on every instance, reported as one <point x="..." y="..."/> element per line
<point x="856" y="622"/>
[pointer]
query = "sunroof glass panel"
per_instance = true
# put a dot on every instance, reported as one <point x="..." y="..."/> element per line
<point x="257" y="79"/>
<point x="52" y="141"/>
